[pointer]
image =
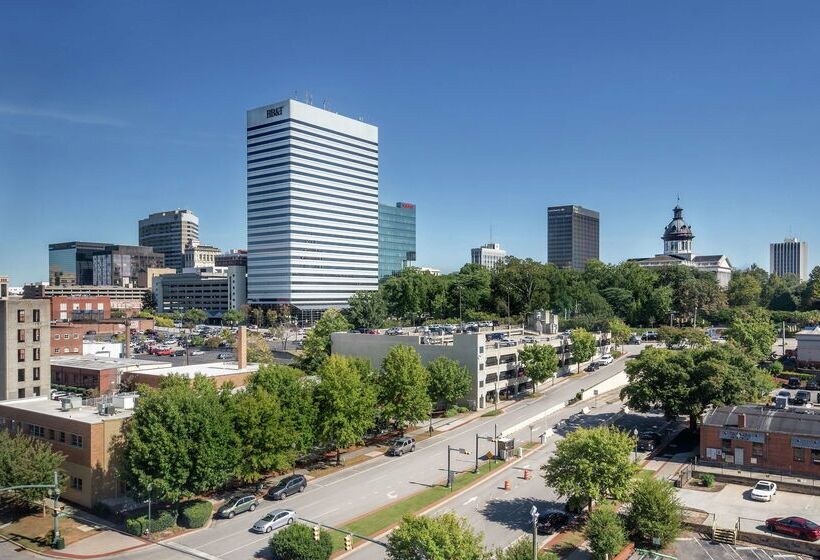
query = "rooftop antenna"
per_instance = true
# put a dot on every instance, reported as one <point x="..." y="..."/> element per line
<point x="324" y="104"/>
<point x="491" y="233"/>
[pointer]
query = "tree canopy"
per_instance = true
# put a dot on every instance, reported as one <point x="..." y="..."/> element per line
<point x="26" y="460"/>
<point x="584" y="345"/>
<point x="446" y="537"/>
<point x="402" y="386"/>
<point x="540" y="361"/>
<point x="316" y="346"/>
<point x="654" y="511"/>
<point x="449" y="381"/>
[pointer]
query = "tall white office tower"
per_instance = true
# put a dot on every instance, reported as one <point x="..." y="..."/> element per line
<point x="313" y="207"/>
<point x="789" y="257"/>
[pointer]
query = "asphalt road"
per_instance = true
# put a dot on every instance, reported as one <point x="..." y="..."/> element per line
<point x="342" y="496"/>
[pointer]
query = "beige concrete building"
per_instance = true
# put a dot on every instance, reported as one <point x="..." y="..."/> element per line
<point x="25" y="347"/>
<point x="146" y="278"/>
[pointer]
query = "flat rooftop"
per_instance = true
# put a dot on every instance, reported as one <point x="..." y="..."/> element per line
<point x="99" y="363"/>
<point x="48" y="407"/>
<point x="213" y="369"/>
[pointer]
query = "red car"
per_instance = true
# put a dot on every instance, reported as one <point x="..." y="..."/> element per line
<point x="795" y="527"/>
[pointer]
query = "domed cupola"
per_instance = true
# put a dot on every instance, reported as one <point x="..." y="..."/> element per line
<point x="677" y="237"/>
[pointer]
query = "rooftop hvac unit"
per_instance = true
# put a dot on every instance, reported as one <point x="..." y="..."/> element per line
<point x="65" y="404"/>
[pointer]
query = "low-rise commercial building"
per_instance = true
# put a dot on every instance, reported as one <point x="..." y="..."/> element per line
<point x="808" y="346"/>
<point x="125" y="299"/>
<point x="215" y="292"/>
<point x="198" y="256"/>
<point x="83" y="431"/>
<point x="87" y="308"/>
<point x="100" y="374"/>
<point x="494" y="365"/>
<point x="24" y="347"/>
<point x="785" y="441"/>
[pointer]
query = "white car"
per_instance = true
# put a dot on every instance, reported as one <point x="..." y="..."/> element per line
<point x="606" y="359"/>
<point x="763" y="491"/>
<point x="197" y="352"/>
<point x="275" y="519"/>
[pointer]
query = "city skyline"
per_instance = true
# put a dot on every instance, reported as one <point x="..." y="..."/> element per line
<point x="694" y="117"/>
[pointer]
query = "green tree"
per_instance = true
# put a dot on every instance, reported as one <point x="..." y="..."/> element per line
<point x="687" y="381"/>
<point x="149" y="302"/>
<point x="163" y="321"/>
<point x="233" y="317"/>
<point x="592" y="464"/>
<point x="449" y="381"/>
<point x="654" y="511"/>
<point x="259" y="351"/>
<point x="540" y="362"/>
<point x="366" y="310"/>
<point x="195" y="317"/>
<point x="296" y="542"/>
<point x="402" y="387"/>
<point x="180" y="440"/>
<point x="272" y="317"/>
<point x="26" y="460"/>
<point x="584" y="345"/>
<point x="316" y="346"/>
<point x="346" y="402"/>
<point x="752" y="330"/>
<point x="295" y="393"/>
<point x="619" y="331"/>
<point x="257" y="315"/>
<point x="212" y="342"/>
<point x="522" y="550"/>
<point x="605" y="533"/>
<point x="744" y="290"/>
<point x="446" y="537"/>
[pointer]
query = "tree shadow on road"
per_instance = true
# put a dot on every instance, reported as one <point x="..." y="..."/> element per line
<point x="515" y="514"/>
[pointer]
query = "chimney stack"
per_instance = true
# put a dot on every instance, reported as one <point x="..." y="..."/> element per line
<point x="741" y="420"/>
<point x="242" y="347"/>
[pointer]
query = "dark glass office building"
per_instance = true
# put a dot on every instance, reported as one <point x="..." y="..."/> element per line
<point x="78" y="263"/>
<point x="397" y="237"/>
<point x="572" y="236"/>
<point x="72" y="263"/>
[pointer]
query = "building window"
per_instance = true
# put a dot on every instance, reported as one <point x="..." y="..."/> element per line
<point x="57" y="337"/>
<point x="815" y="456"/>
<point x="21" y="355"/>
<point x="36" y="431"/>
<point x="21" y="335"/>
<point x="76" y="483"/>
<point x="36" y="391"/>
<point x="66" y="336"/>
<point x="76" y="441"/>
<point x="21" y="393"/>
<point x="21" y="316"/>
<point x="35" y="315"/>
<point x="50" y="434"/>
<point x="726" y="445"/>
<point x="799" y="455"/>
<point x="76" y="349"/>
<point x="62" y="437"/>
<point x="76" y="336"/>
<point x="757" y="450"/>
<point x="35" y="335"/>
<point x="63" y="307"/>
<point x="21" y="375"/>
<point x="35" y="353"/>
<point x="56" y="350"/>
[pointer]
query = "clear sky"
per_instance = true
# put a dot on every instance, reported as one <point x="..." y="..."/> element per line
<point x="488" y="113"/>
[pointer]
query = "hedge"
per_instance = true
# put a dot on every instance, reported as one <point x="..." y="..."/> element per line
<point x="195" y="514"/>
<point x="162" y="520"/>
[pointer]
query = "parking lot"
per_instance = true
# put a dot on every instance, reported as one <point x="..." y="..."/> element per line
<point x="693" y="548"/>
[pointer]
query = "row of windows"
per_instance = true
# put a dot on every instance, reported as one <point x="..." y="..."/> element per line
<point x="21" y="354"/>
<point x="291" y="193"/>
<point x="294" y="183"/>
<point x="291" y="161"/>
<point x="21" y="315"/>
<point x="67" y="350"/>
<point x="74" y="440"/>
<point x="365" y="229"/>
<point x="311" y="125"/>
<point x="21" y="392"/>
<point x="257" y="213"/>
<point x="295" y="149"/>
<point x="310" y="132"/>
<point x="21" y="374"/>
<point x="363" y="211"/>
<point x="295" y="143"/>
<point x="21" y="335"/>
<point x="799" y="454"/>
<point x="292" y="172"/>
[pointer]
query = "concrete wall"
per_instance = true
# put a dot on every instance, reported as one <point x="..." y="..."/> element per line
<point x="37" y="340"/>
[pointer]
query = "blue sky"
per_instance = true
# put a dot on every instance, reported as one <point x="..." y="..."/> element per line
<point x="488" y="113"/>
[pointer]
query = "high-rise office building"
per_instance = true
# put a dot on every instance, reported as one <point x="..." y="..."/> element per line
<point x="169" y="233"/>
<point x="789" y="257"/>
<point x="397" y="237"/>
<point x="313" y="207"/>
<point x="122" y="265"/>
<point x="488" y="255"/>
<point x="72" y="263"/>
<point x="572" y="236"/>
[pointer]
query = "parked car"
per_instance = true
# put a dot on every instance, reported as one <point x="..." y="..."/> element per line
<point x="393" y="331"/>
<point x="507" y="342"/>
<point x="401" y="446"/>
<point x="223" y="356"/>
<point x="551" y="522"/>
<point x="528" y="340"/>
<point x="799" y="527"/>
<point x="802" y="397"/>
<point x="273" y="520"/>
<point x="237" y="504"/>
<point x="593" y="366"/>
<point x="793" y="383"/>
<point x="288" y="486"/>
<point x="649" y="337"/>
<point x="763" y="491"/>
<point x="606" y="359"/>
<point x="812" y="385"/>
<point x="634" y="339"/>
<point x="648" y="440"/>
<point x="179" y="352"/>
<point x="197" y="352"/>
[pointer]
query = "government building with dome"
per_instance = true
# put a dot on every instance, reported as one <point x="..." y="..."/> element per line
<point x="677" y="250"/>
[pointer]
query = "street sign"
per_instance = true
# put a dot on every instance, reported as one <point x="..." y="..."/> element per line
<point x="533" y="511"/>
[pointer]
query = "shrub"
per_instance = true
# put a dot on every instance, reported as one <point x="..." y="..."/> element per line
<point x="295" y="542"/>
<point x="776" y="368"/>
<point x="164" y="519"/>
<point x="654" y="511"/>
<point x="522" y="550"/>
<point x="707" y="479"/>
<point x="605" y="532"/>
<point x="461" y="409"/>
<point x="195" y="514"/>
<point x="450" y="412"/>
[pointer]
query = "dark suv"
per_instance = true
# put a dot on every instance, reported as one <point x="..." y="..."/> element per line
<point x="287" y="486"/>
<point x="647" y="441"/>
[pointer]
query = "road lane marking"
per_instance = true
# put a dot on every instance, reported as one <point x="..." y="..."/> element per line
<point x="326" y="513"/>
<point x="392" y="495"/>
<point x="471" y="500"/>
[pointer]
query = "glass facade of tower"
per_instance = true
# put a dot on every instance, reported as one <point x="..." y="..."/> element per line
<point x="573" y="236"/>
<point x="397" y="237"/>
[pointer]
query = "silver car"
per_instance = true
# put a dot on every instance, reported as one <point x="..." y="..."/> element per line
<point x="273" y="520"/>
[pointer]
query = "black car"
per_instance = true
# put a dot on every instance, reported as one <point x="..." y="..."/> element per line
<point x="812" y="385"/>
<point x="802" y="398"/>
<point x="592" y="366"/>
<point x="794" y="383"/>
<point x="287" y="486"/>
<point x="551" y="522"/>
<point x="648" y="441"/>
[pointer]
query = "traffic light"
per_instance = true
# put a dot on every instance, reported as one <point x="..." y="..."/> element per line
<point x="316" y="532"/>
<point x="348" y="542"/>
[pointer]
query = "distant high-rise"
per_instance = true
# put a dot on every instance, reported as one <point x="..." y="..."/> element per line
<point x="72" y="263"/>
<point x="77" y="263"/>
<point x="313" y="207"/>
<point x="169" y="233"/>
<point x="488" y="255"/>
<point x="789" y="257"/>
<point x="397" y="237"/>
<point x="572" y="236"/>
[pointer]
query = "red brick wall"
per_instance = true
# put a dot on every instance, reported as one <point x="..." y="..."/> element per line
<point x="778" y="454"/>
<point x="58" y="302"/>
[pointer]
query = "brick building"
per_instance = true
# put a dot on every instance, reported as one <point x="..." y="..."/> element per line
<point x="99" y="373"/>
<point x="785" y="441"/>
<point x="66" y="309"/>
<point x="67" y="339"/>
<point x="82" y="433"/>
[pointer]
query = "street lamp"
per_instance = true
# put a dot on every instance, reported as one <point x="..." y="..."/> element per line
<point x="635" y="433"/>
<point x="148" y="529"/>
<point x="449" y="469"/>
<point x="534" y="515"/>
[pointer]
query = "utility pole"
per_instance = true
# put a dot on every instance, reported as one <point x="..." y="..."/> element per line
<point x="54" y="490"/>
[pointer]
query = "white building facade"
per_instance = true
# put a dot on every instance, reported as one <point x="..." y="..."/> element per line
<point x="313" y="212"/>
<point x="789" y="257"/>
<point x="488" y="255"/>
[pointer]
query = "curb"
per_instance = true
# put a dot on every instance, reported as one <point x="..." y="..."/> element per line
<point x="75" y="556"/>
